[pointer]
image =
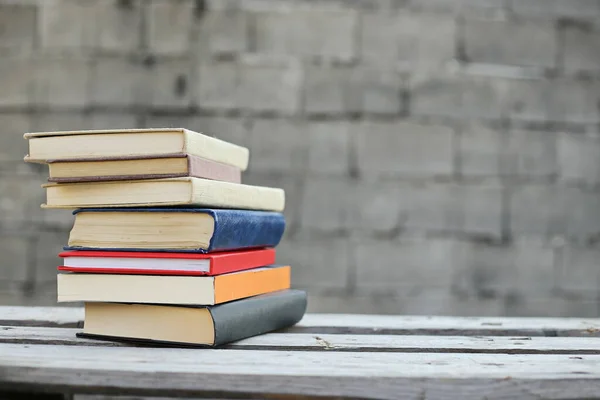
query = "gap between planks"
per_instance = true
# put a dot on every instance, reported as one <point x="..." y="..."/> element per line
<point x="341" y="342"/>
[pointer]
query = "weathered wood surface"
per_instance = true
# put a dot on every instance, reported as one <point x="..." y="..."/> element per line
<point x="411" y="325"/>
<point x="342" y="356"/>
<point x="342" y="342"/>
<point x="358" y="324"/>
<point x="354" y="375"/>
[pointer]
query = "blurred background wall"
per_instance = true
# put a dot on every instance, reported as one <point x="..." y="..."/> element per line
<point x="438" y="156"/>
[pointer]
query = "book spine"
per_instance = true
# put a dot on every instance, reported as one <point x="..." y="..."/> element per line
<point x="256" y="315"/>
<point x="231" y="262"/>
<point x="238" y="229"/>
<point x="202" y="168"/>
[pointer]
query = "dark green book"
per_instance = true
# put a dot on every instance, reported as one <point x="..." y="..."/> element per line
<point x="208" y="326"/>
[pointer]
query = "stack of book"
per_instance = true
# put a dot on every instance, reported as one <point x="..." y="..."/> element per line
<point x="167" y="244"/>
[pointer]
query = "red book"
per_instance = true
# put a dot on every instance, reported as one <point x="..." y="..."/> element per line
<point x="121" y="262"/>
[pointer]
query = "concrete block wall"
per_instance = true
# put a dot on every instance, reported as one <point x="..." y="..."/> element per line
<point x="439" y="156"/>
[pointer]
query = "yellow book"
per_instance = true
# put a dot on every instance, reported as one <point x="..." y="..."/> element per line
<point x="164" y="192"/>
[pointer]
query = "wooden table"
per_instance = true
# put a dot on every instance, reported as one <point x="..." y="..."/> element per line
<point x="326" y="355"/>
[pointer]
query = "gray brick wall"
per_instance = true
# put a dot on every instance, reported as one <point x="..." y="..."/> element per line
<point x="438" y="156"/>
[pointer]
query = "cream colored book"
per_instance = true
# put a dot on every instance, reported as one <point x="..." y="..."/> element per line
<point x="164" y="192"/>
<point x="131" y="143"/>
<point x="199" y="325"/>
<point x="171" y="289"/>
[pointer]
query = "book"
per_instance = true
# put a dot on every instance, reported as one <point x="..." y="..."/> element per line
<point x="165" y="263"/>
<point x="164" y="192"/>
<point x="208" y="326"/>
<point x="46" y="147"/>
<point x="161" y="289"/>
<point x="174" y="229"/>
<point x="176" y="166"/>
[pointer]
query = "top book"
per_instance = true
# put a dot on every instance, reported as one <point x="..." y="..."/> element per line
<point x="113" y="144"/>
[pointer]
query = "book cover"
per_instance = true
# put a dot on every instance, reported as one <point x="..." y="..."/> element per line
<point x="163" y="263"/>
<point x="63" y="145"/>
<point x="257" y="315"/>
<point x="233" y="229"/>
<point x="171" y="289"/>
<point x="180" y="326"/>
<point x="186" y="191"/>
<point x="197" y="167"/>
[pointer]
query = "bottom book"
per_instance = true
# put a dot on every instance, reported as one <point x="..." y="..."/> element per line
<point x="198" y="326"/>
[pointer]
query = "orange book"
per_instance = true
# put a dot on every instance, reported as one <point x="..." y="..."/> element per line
<point x="161" y="289"/>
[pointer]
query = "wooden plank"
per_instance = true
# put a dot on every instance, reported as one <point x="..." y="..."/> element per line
<point x="41" y="316"/>
<point x="188" y="372"/>
<point x="440" y="325"/>
<point x="359" y="324"/>
<point x="342" y="342"/>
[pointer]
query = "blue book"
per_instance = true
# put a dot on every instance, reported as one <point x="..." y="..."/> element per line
<point x="189" y="230"/>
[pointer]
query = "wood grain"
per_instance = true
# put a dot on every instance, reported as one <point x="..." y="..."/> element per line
<point x="345" y="356"/>
<point x="178" y="372"/>
<point x="358" y="324"/>
<point x="341" y="342"/>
